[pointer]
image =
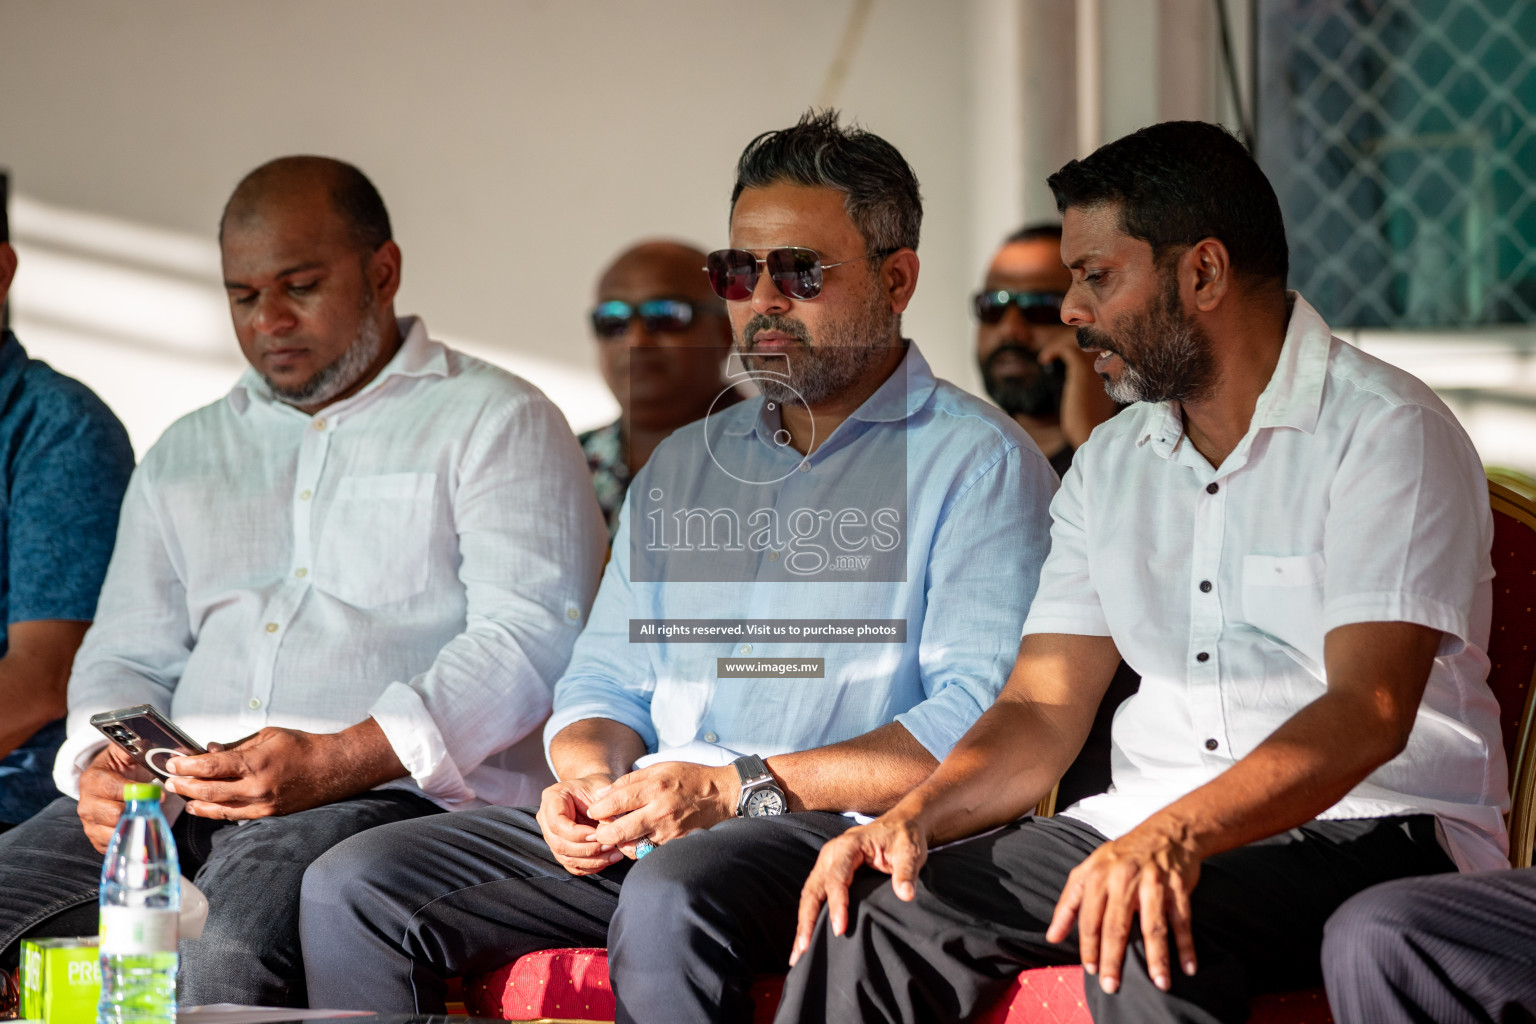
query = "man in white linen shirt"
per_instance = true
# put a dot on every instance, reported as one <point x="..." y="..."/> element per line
<point x="1289" y="540"/>
<point x="361" y="572"/>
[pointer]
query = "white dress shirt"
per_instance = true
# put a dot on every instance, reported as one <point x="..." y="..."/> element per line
<point x="423" y="552"/>
<point x="1354" y="497"/>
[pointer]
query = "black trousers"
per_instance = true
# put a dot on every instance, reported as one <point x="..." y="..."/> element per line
<point x="1457" y="949"/>
<point x="983" y="906"/>
<point x="390" y="914"/>
<point x="249" y="951"/>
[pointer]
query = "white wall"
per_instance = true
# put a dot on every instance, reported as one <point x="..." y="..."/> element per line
<point x="518" y="143"/>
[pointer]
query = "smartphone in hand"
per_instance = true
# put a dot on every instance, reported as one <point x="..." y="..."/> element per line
<point x="146" y="735"/>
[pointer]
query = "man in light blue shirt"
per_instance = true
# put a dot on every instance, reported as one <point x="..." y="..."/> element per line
<point x="812" y="596"/>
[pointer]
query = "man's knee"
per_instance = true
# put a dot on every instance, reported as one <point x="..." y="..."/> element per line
<point x="345" y="879"/>
<point x="662" y="891"/>
<point x="690" y="883"/>
<point x="1373" y="926"/>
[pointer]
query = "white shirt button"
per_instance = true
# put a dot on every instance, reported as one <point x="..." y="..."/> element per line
<point x="271" y="627"/>
<point x="319" y="424"/>
<point x="301" y="573"/>
<point x="746" y="648"/>
<point x="805" y="467"/>
<point x="710" y="737"/>
<point x="773" y="556"/>
<point x="253" y="703"/>
<point x="573" y="614"/>
<point x="303" y="495"/>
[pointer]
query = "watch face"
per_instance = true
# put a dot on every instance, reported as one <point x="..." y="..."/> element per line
<point x="765" y="802"/>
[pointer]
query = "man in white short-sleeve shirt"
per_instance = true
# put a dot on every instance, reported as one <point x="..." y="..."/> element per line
<point x="1289" y="540"/>
<point x="361" y="572"/>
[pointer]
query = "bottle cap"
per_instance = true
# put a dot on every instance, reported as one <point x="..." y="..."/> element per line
<point x="141" y="791"/>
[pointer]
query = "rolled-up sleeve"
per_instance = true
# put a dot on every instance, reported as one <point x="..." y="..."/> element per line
<point x="607" y="678"/>
<point x="135" y="651"/>
<point x="983" y="570"/>
<point x="531" y="540"/>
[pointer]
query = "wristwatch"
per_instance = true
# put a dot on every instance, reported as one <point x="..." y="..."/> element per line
<point x="760" y="797"/>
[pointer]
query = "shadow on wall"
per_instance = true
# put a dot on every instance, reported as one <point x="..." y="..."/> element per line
<point x="139" y="314"/>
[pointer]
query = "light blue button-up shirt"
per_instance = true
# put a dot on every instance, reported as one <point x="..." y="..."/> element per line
<point x="926" y="506"/>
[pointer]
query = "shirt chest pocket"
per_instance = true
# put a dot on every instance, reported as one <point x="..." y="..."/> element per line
<point x="1283" y="598"/>
<point x="376" y="544"/>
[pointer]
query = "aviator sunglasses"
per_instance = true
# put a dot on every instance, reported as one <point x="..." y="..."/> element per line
<point x="794" y="270"/>
<point x="1039" y="308"/>
<point x="611" y="319"/>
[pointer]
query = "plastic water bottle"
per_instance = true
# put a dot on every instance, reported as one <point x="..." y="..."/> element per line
<point x="140" y="901"/>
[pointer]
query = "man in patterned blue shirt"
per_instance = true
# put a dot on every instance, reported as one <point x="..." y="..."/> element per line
<point x="662" y="338"/>
<point x="66" y="462"/>
<point x="812" y="596"/>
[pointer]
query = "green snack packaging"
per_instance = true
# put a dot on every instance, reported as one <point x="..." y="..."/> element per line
<point x="60" y="980"/>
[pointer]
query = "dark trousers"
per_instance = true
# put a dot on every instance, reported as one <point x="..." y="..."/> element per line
<point x="249" y="951"/>
<point x="983" y="906"/>
<point x="1455" y="949"/>
<point x="389" y="915"/>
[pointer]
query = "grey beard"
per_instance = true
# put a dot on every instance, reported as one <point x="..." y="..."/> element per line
<point x="819" y="370"/>
<point x="330" y="381"/>
<point x="1175" y="371"/>
<point x="1173" y="354"/>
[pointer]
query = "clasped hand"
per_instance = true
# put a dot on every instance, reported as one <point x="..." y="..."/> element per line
<point x="593" y="822"/>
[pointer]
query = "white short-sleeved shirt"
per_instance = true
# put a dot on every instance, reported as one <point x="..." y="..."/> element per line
<point x="1355" y="496"/>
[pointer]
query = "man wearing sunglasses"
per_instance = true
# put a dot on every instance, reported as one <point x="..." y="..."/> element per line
<point x="662" y="338"/>
<point x="1030" y="362"/>
<point x="840" y="567"/>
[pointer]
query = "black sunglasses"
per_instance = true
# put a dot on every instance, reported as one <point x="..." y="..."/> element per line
<point x="611" y="319"/>
<point x="794" y="270"/>
<point x="1038" y="308"/>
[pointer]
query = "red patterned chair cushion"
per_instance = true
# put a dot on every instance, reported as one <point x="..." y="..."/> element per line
<point x="570" y="983"/>
<point x="1512" y="643"/>
<point x="573" y="984"/>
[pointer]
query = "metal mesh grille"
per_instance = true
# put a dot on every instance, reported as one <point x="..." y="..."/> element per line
<point x="1401" y="137"/>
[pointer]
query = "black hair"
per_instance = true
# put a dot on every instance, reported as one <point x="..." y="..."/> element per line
<point x="352" y="195"/>
<point x="1178" y="182"/>
<point x="880" y="191"/>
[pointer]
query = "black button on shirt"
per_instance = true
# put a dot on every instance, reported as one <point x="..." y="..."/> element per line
<point x="1212" y="488"/>
<point x="1211" y="744"/>
<point x="1202" y="656"/>
<point x="1205" y="586"/>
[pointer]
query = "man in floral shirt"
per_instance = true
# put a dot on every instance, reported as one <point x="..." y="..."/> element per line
<point x="662" y="338"/>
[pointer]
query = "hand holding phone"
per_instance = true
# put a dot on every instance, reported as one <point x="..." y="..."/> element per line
<point x="101" y="792"/>
<point x="145" y="735"/>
